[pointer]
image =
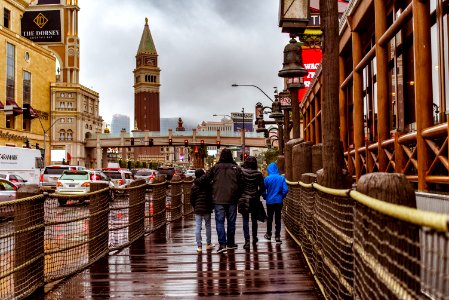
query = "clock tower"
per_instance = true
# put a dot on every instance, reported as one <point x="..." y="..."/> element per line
<point x="146" y="84"/>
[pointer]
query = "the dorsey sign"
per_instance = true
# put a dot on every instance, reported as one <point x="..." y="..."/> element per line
<point x="42" y="26"/>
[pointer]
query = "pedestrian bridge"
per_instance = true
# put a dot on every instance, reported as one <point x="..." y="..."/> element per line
<point x="178" y="138"/>
<point x="140" y="242"/>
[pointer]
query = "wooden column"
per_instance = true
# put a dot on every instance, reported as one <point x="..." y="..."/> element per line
<point x="383" y="109"/>
<point x="358" y="102"/>
<point x="423" y="87"/>
<point x="317" y="129"/>
<point x="343" y="107"/>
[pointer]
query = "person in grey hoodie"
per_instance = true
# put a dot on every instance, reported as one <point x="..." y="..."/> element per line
<point x="276" y="190"/>
<point x="227" y="185"/>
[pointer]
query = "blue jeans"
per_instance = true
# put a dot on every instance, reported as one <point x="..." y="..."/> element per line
<point x="228" y="212"/>
<point x="198" y="223"/>
<point x="246" y="226"/>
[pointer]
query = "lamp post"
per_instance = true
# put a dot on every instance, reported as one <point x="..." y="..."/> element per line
<point x="45" y="136"/>
<point x="243" y="134"/>
<point x="235" y="85"/>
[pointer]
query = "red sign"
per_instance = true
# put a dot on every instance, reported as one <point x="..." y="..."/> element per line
<point x="312" y="59"/>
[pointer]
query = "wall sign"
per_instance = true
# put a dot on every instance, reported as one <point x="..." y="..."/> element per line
<point x="42" y="26"/>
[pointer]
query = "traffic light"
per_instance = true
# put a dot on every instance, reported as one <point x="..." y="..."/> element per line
<point x="202" y="143"/>
<point x="218" y="144"/>
<point x="245" y="156"/>
<point x="27" y="143"/>
<point x="170" y="142"/>
<point x="186" y="143"/>
<point x="132" y="141"/>
<point x="37" y="145"/>
<point x="150" y="142"/>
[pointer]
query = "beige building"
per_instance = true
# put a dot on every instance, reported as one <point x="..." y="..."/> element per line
<point x="25" y="77"/>
<point x="74" y="108"/>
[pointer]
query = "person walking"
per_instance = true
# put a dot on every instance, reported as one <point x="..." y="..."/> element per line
<point x="249" y="203"/>
<point x="276" y="190"/>
<point x="201" y="200"/>
<point x="227" y="185"/>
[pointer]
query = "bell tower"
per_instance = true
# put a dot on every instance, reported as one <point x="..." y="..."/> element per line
<point x="146" y="84"/>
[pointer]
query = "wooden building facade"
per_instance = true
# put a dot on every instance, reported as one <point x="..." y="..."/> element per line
<point x="394" y="90"/>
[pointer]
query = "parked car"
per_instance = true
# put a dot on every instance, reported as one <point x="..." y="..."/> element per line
<point x="147" y="174"/>
<point x="14" y="178"/>
<point x="190" y="173"/>
<point x="79" y="182"/>
<point x="7" y="193"/>
<point x="121" y="178"/>
<point x="167" y="171"/>
<point x="51" y="174"/>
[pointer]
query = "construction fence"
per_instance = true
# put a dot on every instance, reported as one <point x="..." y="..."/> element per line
<point x="45" y="238"/>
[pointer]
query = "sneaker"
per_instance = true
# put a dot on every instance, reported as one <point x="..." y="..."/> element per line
<point x="233" y="246"/>
<point x="210" y="246"/>
<point x="246" y="246"/>
<point x="255" y="239"/>
<point x="278" y="240"/>
<point x="267" y="236"/>
<point x="199" y="249"/>
<point x="221" y="249"/>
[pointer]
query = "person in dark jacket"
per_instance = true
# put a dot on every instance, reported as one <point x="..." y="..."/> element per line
<point x="275" y="191"/>
<point x="227" y="185"/>
<point x="201" y="200"/>
<point x="249" y="202"/>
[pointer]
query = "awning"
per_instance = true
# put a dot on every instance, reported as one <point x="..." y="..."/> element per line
<point x="29" y="113"/>
<point x="17" y="110"/>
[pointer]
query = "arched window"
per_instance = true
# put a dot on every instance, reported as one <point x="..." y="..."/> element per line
<point x="62" y="135"/>
<point x="88" y="135"/>
<point x="69" y="135"/>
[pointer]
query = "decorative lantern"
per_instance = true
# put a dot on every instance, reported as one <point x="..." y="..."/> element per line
<point x="293" y="67"/>
<point x="294" y="15"/>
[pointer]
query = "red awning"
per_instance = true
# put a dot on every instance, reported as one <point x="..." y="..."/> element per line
<point x="29" y="113"/>
<point x="17" y="110"/>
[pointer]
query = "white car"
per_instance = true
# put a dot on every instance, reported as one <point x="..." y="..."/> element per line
<point x="14" y="178"/>
<point x="78" y="182"/>
<point x="190" y="173"/>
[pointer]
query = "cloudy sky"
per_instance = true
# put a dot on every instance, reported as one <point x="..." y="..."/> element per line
<point x="204" y="46"/>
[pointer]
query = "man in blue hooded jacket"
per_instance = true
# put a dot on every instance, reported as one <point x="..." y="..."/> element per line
<point x="275" y="191"/>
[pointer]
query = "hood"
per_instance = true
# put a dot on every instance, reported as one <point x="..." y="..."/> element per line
<point x="273" y="169"/>
<point x="250" y="163"/>
<point x="226" y="156"/>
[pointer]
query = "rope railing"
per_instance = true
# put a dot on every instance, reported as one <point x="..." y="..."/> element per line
<point x="357" y="246"/>
<point x="45" y="238"/>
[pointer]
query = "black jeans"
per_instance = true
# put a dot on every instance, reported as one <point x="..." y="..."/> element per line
<point x="274" y="209"/>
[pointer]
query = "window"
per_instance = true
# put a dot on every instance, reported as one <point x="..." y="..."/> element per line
<point x="62" y="104"/>
<point x="62" y="135"/>
<point x="69" y="135"/>
<point x="69" y="120"/>
<point x="6" y="18"/>
<point x="10" y="71"/>
<point x="62" y="120"/>
<point x="26" y="87"/>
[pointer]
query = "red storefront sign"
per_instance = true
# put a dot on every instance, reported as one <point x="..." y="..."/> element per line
<point x="311" y="58"/>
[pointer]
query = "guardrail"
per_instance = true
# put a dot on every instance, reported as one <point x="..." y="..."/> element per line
<point x="358" y="247"/>
<point x="45" y="238"/>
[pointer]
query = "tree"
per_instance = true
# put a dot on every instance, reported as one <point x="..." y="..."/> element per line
<point x="271" y="155"/>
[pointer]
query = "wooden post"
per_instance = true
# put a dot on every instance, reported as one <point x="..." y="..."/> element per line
<point x="358" y="102"/>
<point x="383" y="109"/>
<point x="343" y="107"/>
<point x="423" y="90"/>
<point x="396" y="189"/>
<point x="332" y="149"/>
<point x="28" y="243"/>
<point x="304" y="153"/>
<point x="280" y="162"/>
<point x="98" y="222"/>
<point x="317" y="157"/>
<point x="289" y="158"/>
<point x="136" y="213"/>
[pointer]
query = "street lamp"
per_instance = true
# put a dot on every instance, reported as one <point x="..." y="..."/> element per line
<point x="243" y="133"/>
<point x="293" y="70"/>
<point x="235" y="84"/>
<point x="45" y="135"/>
